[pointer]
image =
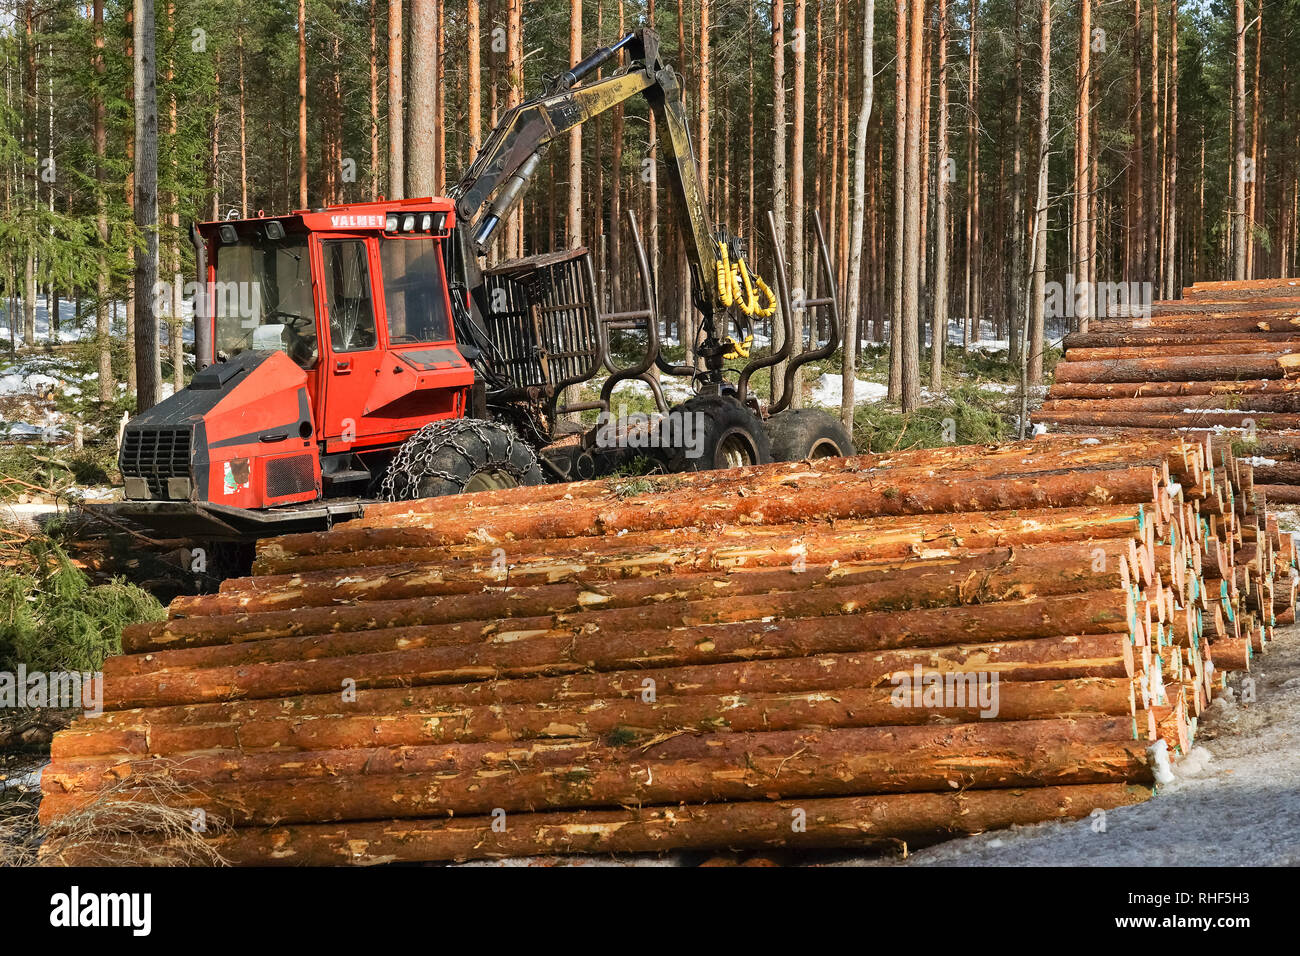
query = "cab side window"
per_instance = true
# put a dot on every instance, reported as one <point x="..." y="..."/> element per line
<point x="347" y="294"/>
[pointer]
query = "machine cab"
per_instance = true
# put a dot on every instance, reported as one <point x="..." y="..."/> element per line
<point x="357" y="297"/>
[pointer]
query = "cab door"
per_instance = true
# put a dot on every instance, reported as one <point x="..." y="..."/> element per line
<point x="351" y="348"/>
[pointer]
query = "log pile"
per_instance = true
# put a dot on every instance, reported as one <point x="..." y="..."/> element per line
<point x="1223" y="362"/>
<point x="860" y="652"/>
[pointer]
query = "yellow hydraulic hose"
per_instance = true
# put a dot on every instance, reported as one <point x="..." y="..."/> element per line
<point x="737" y="287"/>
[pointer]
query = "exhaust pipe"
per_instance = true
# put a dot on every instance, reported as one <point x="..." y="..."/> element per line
<point x="203" y="353"/>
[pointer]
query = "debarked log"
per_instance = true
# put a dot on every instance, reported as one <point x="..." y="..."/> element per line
<point x="916" y="699"/>
<point x="824" y="823"/>
<point x="827" y="763"/>
<point x="532" y="647"/>
<point x="766" y="545"/>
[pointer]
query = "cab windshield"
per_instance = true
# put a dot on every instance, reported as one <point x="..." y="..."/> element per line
<point x="262" y="298"/>
<point x="414" y="291"/>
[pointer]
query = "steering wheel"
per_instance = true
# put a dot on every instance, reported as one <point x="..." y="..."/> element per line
<point x="294" y="323"/>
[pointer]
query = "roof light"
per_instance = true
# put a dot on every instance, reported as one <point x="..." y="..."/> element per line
<point x="426" y="222"/>
<point x="275" y="230"/>
<point x="390" y="223"/>
<point x="408" y="222"/>
<point x="228" y="235"/>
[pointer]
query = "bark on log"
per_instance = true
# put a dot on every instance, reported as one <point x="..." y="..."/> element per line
<point x="858" y="540"/>
<point x="630" y="720"/>
<point x="991" y="574"/>
<point x="1180" y="368"/>
<point x="538" y="647"/>
<point x="912" y="819"/>
<point x="829" y="763"/>
<point x="1042" y="658"/>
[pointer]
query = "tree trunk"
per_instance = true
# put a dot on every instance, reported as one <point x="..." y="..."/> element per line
<point x="778" y="174"/>
<point x="852" y="322"/>
<point x="146" y="208"/>
<point x="1137" y="167"/>
<point x="1171" y="189"/>
<point x="1018" y="267"/>
<point x="972" y="296"/>
<point x="1035" y="357"/>
<point x="302" y="104"/>
<point x="1252" y="184"/>
<point x="798" y="214"/>
<point x="1239" y="170"/>
<point x="573" y="220"/>
<point x="1082" y="179"/>
<point x="374" y="100"/>
<point x="900" y="198"/>
<point x="440" y="105"/>
<point x="1152" y="214"/>
<point x="514" y="96"/>
<point x="422" y="147"/>
<point x="474" y="79"/>
<point x="616" y="191"/>
<point x="396" y="123"/>
<point x="911" y="384"/>
<point x="103" y="320"/>
<point x="131" y="253"/>
<point x="939" y="306"/>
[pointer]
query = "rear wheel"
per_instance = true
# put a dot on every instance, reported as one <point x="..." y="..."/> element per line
<point x="460" y="456"/>
<point x="797" y="434"/>
<point x="708" y="432"/>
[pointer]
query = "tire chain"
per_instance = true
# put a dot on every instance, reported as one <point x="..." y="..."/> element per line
<point x="414" y="459"/>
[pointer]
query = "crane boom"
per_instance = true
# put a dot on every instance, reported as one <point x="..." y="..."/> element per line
<point x="512" y="153"/>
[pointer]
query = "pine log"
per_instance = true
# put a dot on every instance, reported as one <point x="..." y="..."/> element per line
<point x="630" y="719"/>
<point x="856" y="540"/>
<point x="586" y="642"/>
<point x="984" y="575"/>
<point x="1180" y="368"/>
<point x="830" y="823"/>
<point x="1037" y="659"/>
<point x="824" y="763"/>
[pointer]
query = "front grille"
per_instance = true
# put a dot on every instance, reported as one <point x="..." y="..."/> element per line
<point x="290" y="476"/>
<point x="156" y="454"/>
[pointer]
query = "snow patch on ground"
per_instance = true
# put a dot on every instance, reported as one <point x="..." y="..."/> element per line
<point x="829" y="391"/>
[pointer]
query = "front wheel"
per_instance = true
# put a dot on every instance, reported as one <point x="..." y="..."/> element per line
<point x="799" y="434"/>
<point x="708" y="432"/>
<point x="459" y="456"/>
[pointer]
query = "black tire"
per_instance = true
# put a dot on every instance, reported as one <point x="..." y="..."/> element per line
<point x="797" y="434"/>
<point x="459" y="456"/>
<point x="721" y="433"/>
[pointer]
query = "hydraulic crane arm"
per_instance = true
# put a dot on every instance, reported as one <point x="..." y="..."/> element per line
<point x="512" y="152"/>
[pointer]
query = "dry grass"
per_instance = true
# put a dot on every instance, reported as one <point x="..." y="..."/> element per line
<point x="139" y="825"/>
<point x="20" y="836"/>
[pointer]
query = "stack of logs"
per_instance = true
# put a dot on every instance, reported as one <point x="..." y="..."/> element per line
<point x="1224" y="361"/>
<point x="863" y="652"/>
